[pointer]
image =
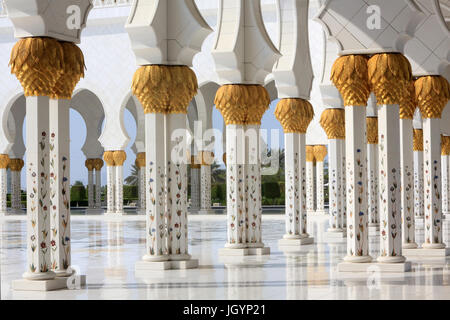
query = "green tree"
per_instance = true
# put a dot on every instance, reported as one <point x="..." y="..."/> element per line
<point x="133" y="179"/>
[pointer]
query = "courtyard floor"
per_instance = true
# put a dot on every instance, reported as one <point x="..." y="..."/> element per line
<point x="105" y="250"/>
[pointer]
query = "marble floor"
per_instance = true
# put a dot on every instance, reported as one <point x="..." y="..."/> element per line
<point x="105" y="250"/>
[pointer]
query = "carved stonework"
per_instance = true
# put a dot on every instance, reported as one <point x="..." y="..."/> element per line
<point x="62" y="20"/>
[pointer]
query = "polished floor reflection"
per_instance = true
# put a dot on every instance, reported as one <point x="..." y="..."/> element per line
<point x="106" y="251"/>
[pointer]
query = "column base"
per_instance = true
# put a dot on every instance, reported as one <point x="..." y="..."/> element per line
<point x="374" y="267"/>
<point x="59" y="283"/>
<point x="411" y="245"/>
<point x="336" y="233"/>
<point x="14" y="212"/>
<point x="206" y="211"/>
<point x="321" y="212"/>
<point x="4" y="213"/>
<point x="114" y="214"/>
<point x="145" y="266"/>
<point x="290" y="242"/>
<point x="93" y="211"/>
<point x="244" y="251"/>
<point x="310" y="212"/>
<point x="426" y="253"/>
<point x="446" y="216"/>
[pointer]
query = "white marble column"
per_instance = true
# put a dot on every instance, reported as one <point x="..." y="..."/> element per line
<point x="110" y="183"/>
<point x="389" y="184"/>
<point x="4" y="160"/>
<point x="236" y="185"/>
<point x="292" y="185"/>
<point x="118" y="189"/>
<point x="432" y="185"/>
<point x="156" y="218"/>
<point x="356" y="182"/>
<point x="205" y="189"/>
<point x="38" y="217"/>
<point x="98" y="189"/>
<point x="195" y="187"/>
<point x="320" y="152"/>
<point x="60" y="186"/>
<point x="418" y="176"/>
<point x="344" y="186"/>
<point x="253" y="187"/>
<point x="445" y="168"/>
<point x="16" y="201"/>
<point x="407" y="183"/>
<point x="334" y="183"/>
<point x="91" y="189"/>
<point x="372" y="172"/>
<point x="310" y="167"/>
<point x="177" y="186"/>
<point x="142" y="181"/>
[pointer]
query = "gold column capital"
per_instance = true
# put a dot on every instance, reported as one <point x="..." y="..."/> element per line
<point x="16" y="164"/>
<point x="372" y="130"/>
<point x="445" y="145"/>
<point x="349" y="75"/>
<point x="165" y="88"/>
<point x="310" y="153"/>
<point x="194" y="163"/>
<point x="408" y="105"/>
<point x="418" y="140"/>
<point x="205" y="158"/>
<point x="98" y="164"/>
<point x="294" y="114"/>
<point x="432" y="94"/>
<point x="119" y="157"/>
<point x="242" y="103"/>
<point x="4" y="161"/>
<point x="320" y="152"/>
<point x="140" y="160"/>
<point x="224" y="158"/>
<point x="333" y="123"/>
<point x="108" y="156"/>
<point x="389" y="77"/>
<point x="38" y="63"/>
<point x="90" y="163"/>
<point x="72" y="71"/>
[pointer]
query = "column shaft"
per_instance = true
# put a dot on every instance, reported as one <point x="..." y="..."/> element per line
<point x="344" y="185"/>
<point x="432" y="185"/>
<point x="334" y="183"/>
<point x="3" y="190"/>
<point x="320" y="202"/>
<point x="445" y="184"/>
<point x="16" y="203"/>
<point x="418" y="185"/>
<point x="119" y="188"/>
<point x="156" y="228"/>
<point x="310" y="186"/>
<point x="205" y="187"/>
<point x="235" y="186"/>
<point x="407" y="183"/>
<point x="110" y="182"/>
<point x="142" y="181"/>
<point x="177" y="187"/>
<point x="356" y="182"/>
<point x="292" y="185"/>
<point x="60" y="185"/>
<point x="91" y="189"/>
<point x="389" y="184"/>
<point x="38" y="213"/>
<point x="253" y="187"/>
<point x="372" y="184"/>
<point x="195" y="189"/>
<point x="98" y="189"/>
